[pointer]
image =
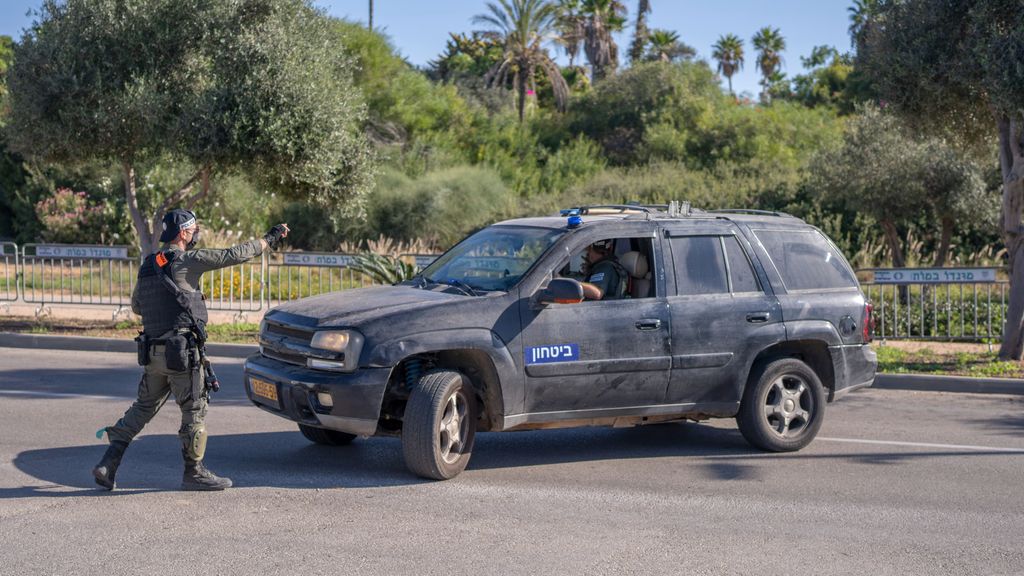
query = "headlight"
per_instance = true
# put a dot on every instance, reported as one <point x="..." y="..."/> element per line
<point x="336" y="341"/>
<point x="348" y="343"/>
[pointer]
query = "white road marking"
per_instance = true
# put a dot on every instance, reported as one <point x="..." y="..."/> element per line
<point x="922" y="445"/>
<point x="33" y="394"/>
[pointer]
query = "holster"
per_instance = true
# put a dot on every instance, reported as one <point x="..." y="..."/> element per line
<point x="178" y="353"/>
<point x="142" y="348"/>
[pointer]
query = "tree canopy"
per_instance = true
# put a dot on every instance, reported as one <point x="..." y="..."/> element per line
<point x="252" y="86"/>
<point x="957" y="69"/>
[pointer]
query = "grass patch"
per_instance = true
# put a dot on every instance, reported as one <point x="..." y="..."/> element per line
<point x="893" y="359"/>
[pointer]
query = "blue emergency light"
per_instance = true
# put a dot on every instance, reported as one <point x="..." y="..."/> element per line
<point x="575" y="221"/>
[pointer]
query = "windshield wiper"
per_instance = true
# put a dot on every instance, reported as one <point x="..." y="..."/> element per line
<point x="462" y="286"/>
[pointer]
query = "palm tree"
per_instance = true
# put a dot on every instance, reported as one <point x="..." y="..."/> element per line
<point x="861" y="14"/>
<point x="769" y="44"/>
<point x="571" y="26"/>
<point x="524" y="25"/>
<point x="667" y="47"/>
<point x="604" y="17"/>
<point x="640" y="34"/>
<point x="728" y="51"/>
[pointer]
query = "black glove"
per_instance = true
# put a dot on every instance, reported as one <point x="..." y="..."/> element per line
<point x="273" y="238"/>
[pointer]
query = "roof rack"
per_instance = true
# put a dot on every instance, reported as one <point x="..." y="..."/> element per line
<point x="753" y="212"/>
<point x="611" y="209"/>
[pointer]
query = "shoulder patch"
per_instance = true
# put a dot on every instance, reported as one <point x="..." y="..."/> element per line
<point x="597" y="277"/>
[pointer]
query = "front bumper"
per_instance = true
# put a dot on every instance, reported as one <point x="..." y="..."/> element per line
<point x="356" y="397"/>
<point x="855" y="368"/>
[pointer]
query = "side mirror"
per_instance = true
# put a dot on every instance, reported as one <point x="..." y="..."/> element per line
<point x="561" y="291"/>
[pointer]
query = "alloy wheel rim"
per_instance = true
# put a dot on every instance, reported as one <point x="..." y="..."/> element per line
<point x="788" y="406"/>
<point x="453" y="428"/>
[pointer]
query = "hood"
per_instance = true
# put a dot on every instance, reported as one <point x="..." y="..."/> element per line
<point x="350" y="308"/>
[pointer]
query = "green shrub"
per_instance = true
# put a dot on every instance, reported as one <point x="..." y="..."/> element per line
<point x="442" y="206"/>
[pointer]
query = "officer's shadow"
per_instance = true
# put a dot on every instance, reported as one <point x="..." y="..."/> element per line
<point x="153" y="463"/>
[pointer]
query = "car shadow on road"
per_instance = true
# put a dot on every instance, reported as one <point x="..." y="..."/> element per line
<point x="287" y="460"/>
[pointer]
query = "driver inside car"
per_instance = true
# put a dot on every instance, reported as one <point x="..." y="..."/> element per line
<point x="606" y="279"/>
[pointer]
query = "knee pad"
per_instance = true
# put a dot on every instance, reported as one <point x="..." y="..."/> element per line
<point x="193" y="438"/>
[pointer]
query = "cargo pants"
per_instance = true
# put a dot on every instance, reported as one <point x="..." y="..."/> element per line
<point x="156" y="385"/>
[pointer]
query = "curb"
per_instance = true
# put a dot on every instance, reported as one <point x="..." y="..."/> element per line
<point x="960" y="384"/>
<point x="92" y="344"/>
<point x="918" y="382"/>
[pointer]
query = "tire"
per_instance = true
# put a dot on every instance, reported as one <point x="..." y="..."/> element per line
<point x="783" y="406"/>
<point x="439" y="425"/>
<point x="325" y="436"/>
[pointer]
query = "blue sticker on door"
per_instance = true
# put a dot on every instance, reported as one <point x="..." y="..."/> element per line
<point x="553" y="353"/>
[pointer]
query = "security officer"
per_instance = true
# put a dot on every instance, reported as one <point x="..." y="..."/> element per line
<point x="606" y="278"/>
<point x="168" y="344"/>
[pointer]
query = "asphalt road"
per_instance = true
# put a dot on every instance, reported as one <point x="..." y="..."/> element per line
<point x="896" y="483"/>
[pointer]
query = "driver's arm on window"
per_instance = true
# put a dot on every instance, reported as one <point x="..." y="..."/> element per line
<point x="591" y="291"/>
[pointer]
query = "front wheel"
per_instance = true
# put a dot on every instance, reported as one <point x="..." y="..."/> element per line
<point x="439" y="425"/>
<point x="783" y="406"/>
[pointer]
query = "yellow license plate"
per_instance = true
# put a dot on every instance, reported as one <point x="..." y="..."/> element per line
<point x="263" y="389"/>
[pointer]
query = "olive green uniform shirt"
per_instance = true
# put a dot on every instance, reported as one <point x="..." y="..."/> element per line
<point x="608" y="278"/>
<point x="190" y="265"/>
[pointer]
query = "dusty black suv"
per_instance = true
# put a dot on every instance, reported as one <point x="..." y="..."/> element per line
<point x="745" y="314"/>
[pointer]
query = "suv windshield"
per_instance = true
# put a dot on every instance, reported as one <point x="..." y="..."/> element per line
<point x="494" y="258"/>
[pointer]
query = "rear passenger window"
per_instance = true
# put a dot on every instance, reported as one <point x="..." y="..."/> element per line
<point x="806" y="260"/>
<point x="742" y="274"/>
<point x="700" y="265"/>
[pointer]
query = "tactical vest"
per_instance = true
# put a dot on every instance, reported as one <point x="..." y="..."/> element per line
<point x="622" y="290"/>
<point x="160" y="309"/>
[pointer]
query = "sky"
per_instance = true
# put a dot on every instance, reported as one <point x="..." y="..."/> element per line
<point x="419" y="28"/>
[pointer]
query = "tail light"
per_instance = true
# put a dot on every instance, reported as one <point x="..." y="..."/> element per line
<point x="869" y="322"/>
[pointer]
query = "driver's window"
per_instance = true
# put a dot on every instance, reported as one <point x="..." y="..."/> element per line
<point x="621" y="268"/>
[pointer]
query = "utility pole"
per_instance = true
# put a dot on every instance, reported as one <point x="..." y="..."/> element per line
<point x="371" y="16"/>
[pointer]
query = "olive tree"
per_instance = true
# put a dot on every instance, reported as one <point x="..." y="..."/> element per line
<point x="882" y="171"/>
<point x="257" y="87"/>
<point x="957" y="68"/>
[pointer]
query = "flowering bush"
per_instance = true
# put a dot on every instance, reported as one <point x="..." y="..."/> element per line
<point x="68" y="217"/>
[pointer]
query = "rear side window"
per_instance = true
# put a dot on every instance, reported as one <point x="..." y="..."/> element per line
<point x="701" y="268"/>
<point x="700" y="265"/>
<point x="740" y="270"/>
<point x="806" y="260"/>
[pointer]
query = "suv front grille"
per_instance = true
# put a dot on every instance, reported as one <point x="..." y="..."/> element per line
<point x="289" y="343"/>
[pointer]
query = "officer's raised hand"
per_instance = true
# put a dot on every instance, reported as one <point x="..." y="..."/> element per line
<point x="274" y="236"/>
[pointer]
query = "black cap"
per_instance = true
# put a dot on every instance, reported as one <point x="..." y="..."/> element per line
<point x="175" y="221"/>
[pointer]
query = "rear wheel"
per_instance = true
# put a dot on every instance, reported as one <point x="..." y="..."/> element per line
<point x="439" y="425"/>
<point x="325" y="436"/>
<point x="783" y="406"/>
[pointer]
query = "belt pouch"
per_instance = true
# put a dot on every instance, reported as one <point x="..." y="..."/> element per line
<point x="176" y="353"/>
<point x="142" y="349"/>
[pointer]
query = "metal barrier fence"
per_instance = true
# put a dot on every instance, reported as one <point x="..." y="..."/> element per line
<point x="236" y="288"/>
<point x="9" y="266"/>
<point x="933" y="310"/>
<point x="62" y="274"/>
<point x="293" y="275"/>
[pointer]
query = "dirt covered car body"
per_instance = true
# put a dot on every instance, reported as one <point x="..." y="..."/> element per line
<point x="752" y="316"/>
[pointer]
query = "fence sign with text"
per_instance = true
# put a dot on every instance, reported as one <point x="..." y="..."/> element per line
<point x="317" y="259"/>
<point x="936" y="276"/>
<point x="91" y="252"/>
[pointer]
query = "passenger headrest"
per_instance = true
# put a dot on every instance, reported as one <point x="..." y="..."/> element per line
<point x="635" y="264"/>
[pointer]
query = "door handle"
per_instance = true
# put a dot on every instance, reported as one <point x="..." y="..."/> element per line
<point x="758" y="317"/>
<point x="648" y="324"/>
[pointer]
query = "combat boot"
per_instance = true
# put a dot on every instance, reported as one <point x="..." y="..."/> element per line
<point x="104" y="471"/>
<point x="197" y="477"/>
